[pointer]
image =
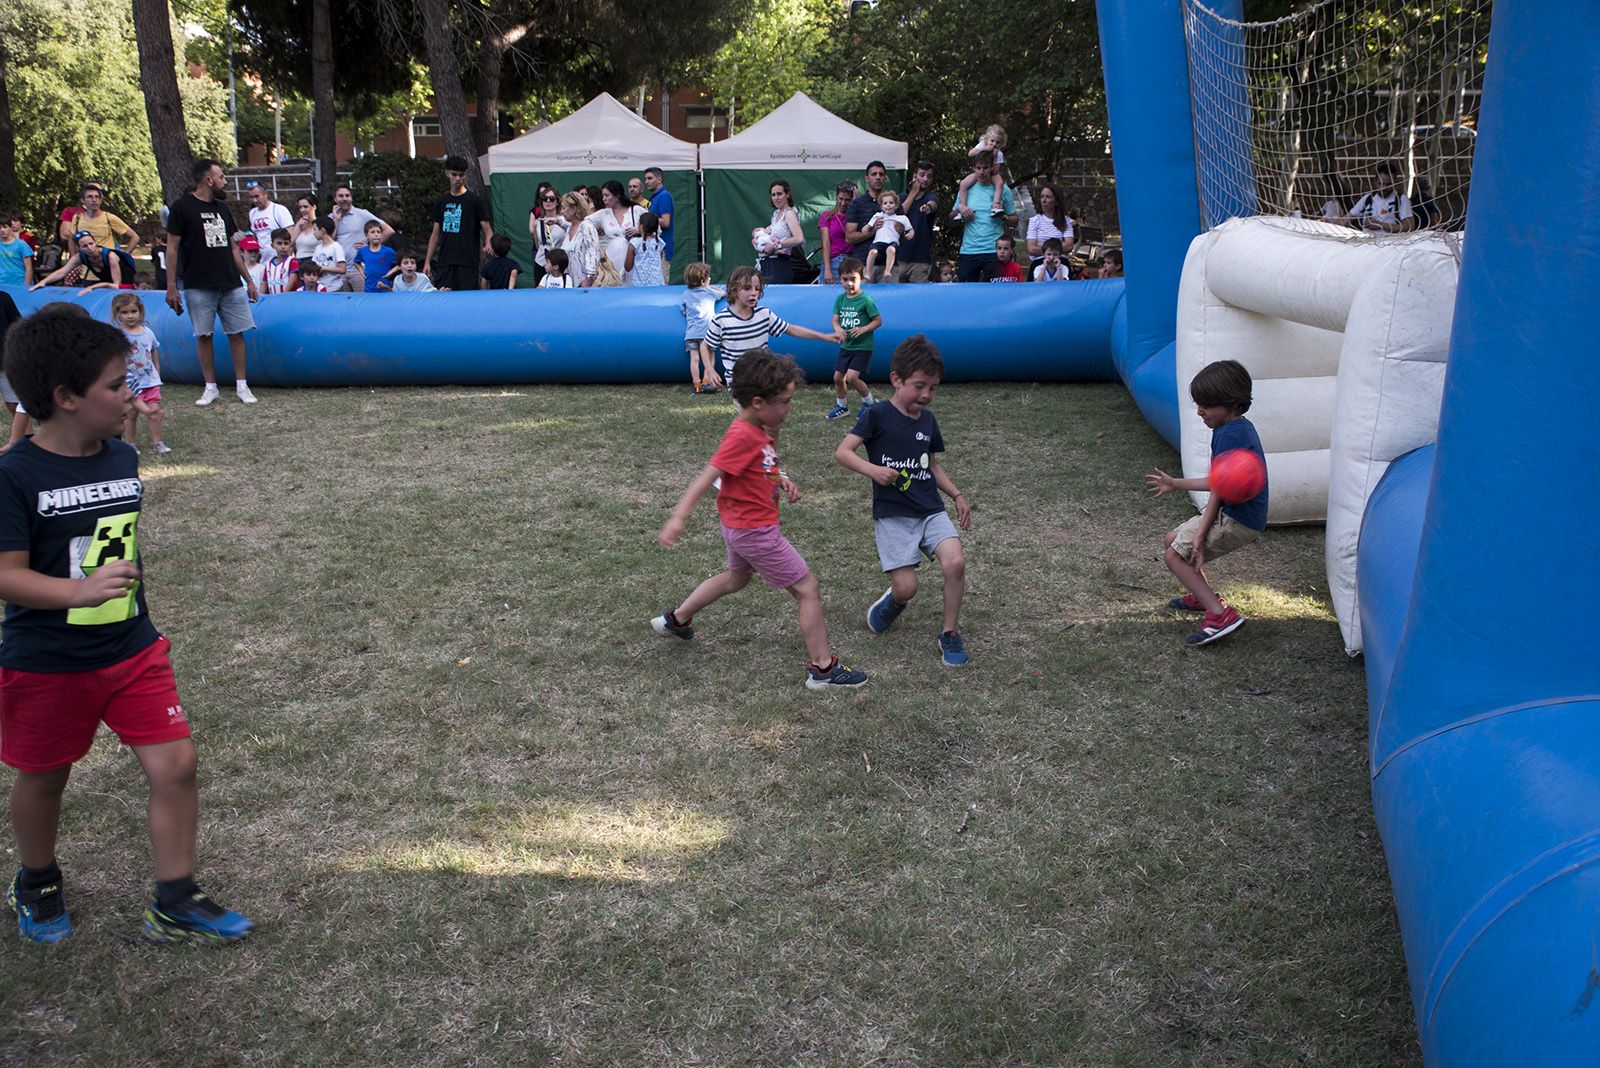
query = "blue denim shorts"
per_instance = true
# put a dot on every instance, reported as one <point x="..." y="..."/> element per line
<point x="204" y="305"/>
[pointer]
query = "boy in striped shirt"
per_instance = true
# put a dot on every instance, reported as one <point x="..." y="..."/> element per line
<point x="744" y="328"/>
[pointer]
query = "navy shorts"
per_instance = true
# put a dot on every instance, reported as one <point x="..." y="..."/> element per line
<point x="857" y="360"/>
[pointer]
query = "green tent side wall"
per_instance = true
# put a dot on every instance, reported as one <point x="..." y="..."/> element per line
<point x="738" y="201"/>
<point x="511" y="195"/>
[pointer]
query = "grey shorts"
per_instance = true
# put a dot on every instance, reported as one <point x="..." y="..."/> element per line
<point x="7" y="394"/>
<point x="204" y="305"/>
<point x="904" y="540"/>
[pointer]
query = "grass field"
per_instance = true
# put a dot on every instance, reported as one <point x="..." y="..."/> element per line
<point x="482" y="815"/>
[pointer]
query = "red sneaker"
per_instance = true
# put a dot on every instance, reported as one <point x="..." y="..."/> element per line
<point x="1214" y="627"/>
<point x="1186" y="603"/>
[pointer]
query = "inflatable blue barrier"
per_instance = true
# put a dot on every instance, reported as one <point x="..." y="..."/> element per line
<point x="1030" y="333"/>
<point x="1478" y="572"/>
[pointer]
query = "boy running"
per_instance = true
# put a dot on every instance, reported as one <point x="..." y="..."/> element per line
<point x="903" y="442"/>
<point x="744" y="328"/>
<point x="79" y="647"/>
<point x="1221" y="393"/>
<point x="747" y="464"/>
<point x="855" y="317"/>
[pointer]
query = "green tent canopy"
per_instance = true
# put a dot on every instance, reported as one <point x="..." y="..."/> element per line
<point x="800" y="141"/>
<point x="600" y="141"/>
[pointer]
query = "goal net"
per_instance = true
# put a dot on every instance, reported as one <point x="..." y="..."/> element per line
<point x="1296" y="116"/>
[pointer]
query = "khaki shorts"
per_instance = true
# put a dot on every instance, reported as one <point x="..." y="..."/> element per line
<point x="914" y="272"/>
<point x="1224" y="536"/>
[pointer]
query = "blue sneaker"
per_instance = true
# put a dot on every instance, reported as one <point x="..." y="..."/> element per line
<point x="664" y="626"/>
<point x="884" y="611"/>
<point x="197" y="917"/>
<point x="41" y="914"/>
<point x="952" y="649"/>
<point x="839" y="411"/>
<point x="836" y="677"/>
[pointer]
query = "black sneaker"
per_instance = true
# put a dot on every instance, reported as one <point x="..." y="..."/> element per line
<point x="835" y="677"/>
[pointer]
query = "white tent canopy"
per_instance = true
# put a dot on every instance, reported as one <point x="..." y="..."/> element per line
<point x="801" y="134"/>
<point x="603" y="135"/>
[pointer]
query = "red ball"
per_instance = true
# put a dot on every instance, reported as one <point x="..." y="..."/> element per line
<point x="1237" y="475"/>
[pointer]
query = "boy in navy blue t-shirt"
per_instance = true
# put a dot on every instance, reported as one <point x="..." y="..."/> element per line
<point x="902" y="443"/>
<point x="79" y="646"/>
<point x="1221" y="393"/>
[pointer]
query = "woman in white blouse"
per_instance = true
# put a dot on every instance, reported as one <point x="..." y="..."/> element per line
<point x="582" y="241"/>
<point x="616" y="222"/>
<point x="1052" y="221"/>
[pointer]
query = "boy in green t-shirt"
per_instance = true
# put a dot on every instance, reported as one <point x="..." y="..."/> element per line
<point x="856" y="316"/>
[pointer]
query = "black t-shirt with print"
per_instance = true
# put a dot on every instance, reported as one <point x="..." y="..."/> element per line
<point x="893" y="439"/>
<point x="204" y="229"/>
<point x="71" y="514"/>
<point x="460" y="220"/>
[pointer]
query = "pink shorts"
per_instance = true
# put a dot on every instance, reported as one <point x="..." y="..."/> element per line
<point x="48" y="718"/>
<point x="151" y="395"/>
<point x="767" y="552"/>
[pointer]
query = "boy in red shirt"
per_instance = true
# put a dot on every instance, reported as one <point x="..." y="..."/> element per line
<point x="747" y="503"/>
<point x="1006" y="268"/>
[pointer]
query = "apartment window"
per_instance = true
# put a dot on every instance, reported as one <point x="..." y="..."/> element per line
<point x="426" y="126"/>
<point x="705" y="117"/>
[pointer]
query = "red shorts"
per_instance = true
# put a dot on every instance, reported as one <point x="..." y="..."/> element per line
<point x="48" y="718"/>
<point x="152" y="395"/>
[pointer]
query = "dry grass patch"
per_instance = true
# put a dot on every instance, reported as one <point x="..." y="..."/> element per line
<point x="484" y="816"/>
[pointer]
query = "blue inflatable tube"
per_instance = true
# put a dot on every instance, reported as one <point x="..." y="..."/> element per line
<point x="1479" y="605"/>
<point x="1030" y="333"/>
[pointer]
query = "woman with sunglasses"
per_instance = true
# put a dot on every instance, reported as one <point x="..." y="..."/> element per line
<point x="546" y="226"/>
<point x="111" y="268"/>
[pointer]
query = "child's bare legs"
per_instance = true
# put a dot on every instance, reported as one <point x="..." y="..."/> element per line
<point x="872" y="257"/>
<point x="997" y="206"/>
<point x="840" y="379"/>
<point x="174" y="805"/>
<point x="808" y="593"/>
<point x="961" y="192"/>
<point x="954" y="565"/>
<point x="36" y="814"/>
<point x="852" y="380"/>
<point x="157" y="417"/>
<point x="712" y="589"/>
<point x="888" y="264"/>
<point x="1193" y="579"/>
<point x="694" y="365"/>
<point x="19" y="427"/>
<point x="130" y="427"/>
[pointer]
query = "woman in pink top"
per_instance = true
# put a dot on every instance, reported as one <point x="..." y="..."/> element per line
<point x="831" y="223"/>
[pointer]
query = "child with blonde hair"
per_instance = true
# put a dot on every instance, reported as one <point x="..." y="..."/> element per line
<point x="889" y="225"/>
<point x="144" y="371"/>
<point x="993" y="140"/>
<point x="699" y="307"/>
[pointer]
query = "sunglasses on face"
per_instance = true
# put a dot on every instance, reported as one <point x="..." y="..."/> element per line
<point x="81" y="234"/>
<point x="548" y="200"/>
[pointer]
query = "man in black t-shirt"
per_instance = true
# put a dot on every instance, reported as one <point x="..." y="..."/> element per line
<point x="458" y="218"/>
<point x="201" y="252"/>
<point x="861" y="211"/>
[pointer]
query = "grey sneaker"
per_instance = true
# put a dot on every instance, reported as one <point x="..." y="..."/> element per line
<point x="883" y="613"/>
<point x="162" y="448"/>
<point x="207" y="396"/>
<point x="836" y="677"/>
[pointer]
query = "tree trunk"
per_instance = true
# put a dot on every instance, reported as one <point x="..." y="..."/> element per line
<point x="486" y="125"/>
<point x="8" y="140"/>
<point x="445" y="75"/>
<point x="158" y="77"/>
<point x="324" y="143"/>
